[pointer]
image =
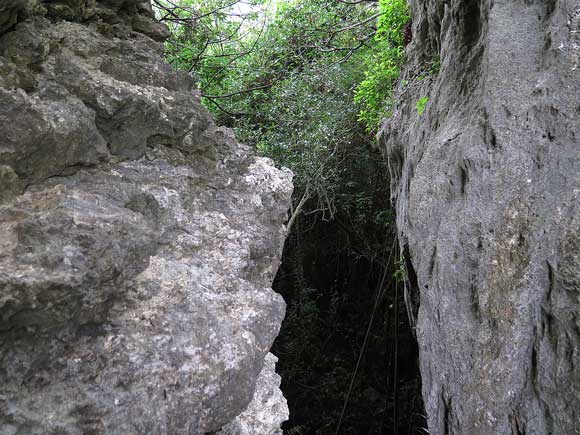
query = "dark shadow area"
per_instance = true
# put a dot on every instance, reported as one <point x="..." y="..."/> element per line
<point x="331" y="290"/>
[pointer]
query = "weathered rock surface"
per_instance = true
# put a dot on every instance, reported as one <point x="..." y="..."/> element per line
<point x="268" y="409"/>
<point x="487" y="187"/>
<point x="138" y="241"/>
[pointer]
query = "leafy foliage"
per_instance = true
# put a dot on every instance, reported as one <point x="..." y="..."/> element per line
<point x="400" y="273"/>
<point x="291" y="92"/>
<point x="373" y="94"/>
<point x="435" y="65"/>
<point x="421" y="104"/>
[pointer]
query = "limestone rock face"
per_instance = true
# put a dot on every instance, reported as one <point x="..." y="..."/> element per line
<point x="268" y="409"/>
<point x="138" y="240"/>
<point x="487" y="187"/>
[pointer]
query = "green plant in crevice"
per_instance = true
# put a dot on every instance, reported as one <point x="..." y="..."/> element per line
<point x="421" y="104"/>
<point x="385" y="218"/>
<point x="373" y="94"/>
<point x="400" y="272"/>
<point x="435" y="65"/>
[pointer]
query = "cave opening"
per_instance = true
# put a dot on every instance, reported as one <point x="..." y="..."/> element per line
<point x="339" y="374"/>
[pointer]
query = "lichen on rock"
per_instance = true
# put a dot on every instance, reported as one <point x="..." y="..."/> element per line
<point x="138" y="240"/>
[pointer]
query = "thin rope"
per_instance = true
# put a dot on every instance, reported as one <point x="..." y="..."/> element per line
<point x="396" y="359"/>
<point x="361" y="353"/>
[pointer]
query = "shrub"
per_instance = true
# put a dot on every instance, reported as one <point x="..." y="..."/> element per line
<point x="373" y="94"/>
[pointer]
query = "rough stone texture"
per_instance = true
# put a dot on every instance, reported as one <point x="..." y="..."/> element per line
<point x="268" y="409"/>
<point x="487" y="186"/>
<point x="138" y="241"/>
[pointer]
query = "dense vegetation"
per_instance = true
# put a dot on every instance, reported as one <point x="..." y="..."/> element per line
<point x="307" y="82"/>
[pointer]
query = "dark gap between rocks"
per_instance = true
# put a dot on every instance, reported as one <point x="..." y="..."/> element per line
<point x="330" y="293"/>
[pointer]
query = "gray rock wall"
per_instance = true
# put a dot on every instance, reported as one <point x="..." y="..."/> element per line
<point x="138" y="240"/>
<point x="487" y="184"/>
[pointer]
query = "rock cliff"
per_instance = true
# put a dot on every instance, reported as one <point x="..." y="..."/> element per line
<point x="138" y="240"/>
<point x="486" y="184"/>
